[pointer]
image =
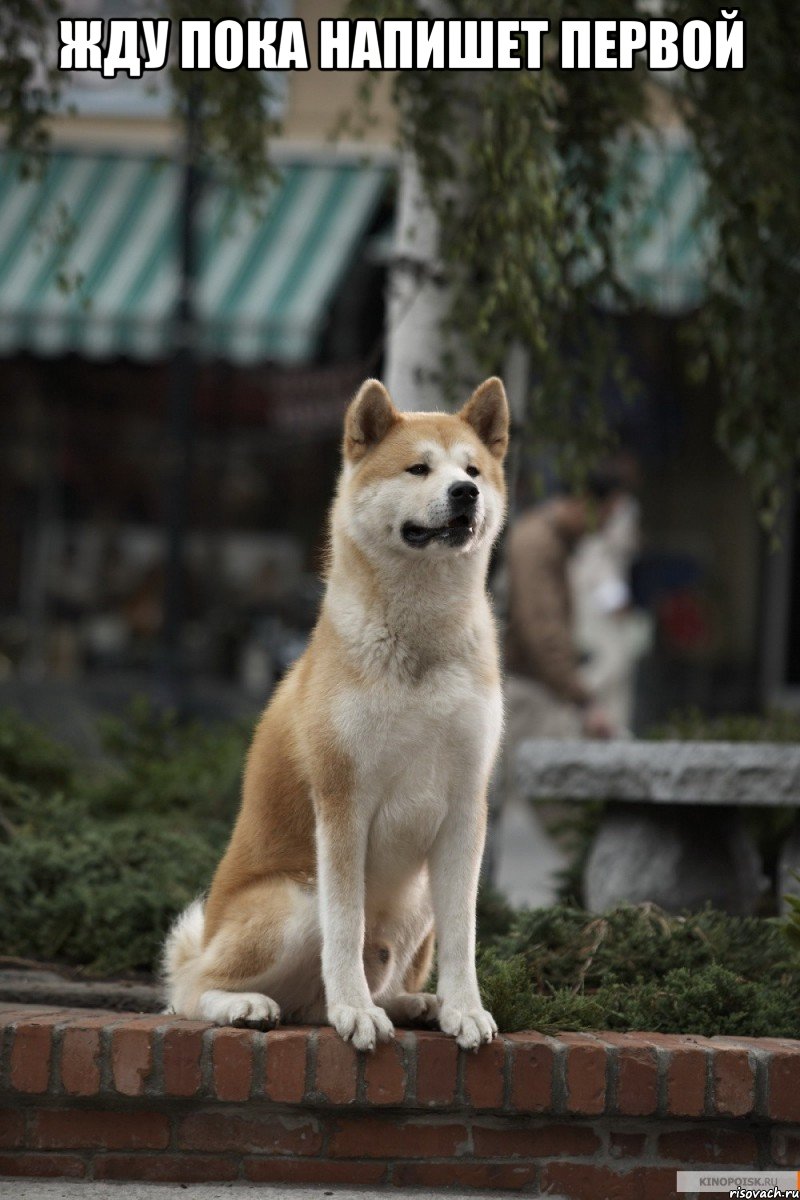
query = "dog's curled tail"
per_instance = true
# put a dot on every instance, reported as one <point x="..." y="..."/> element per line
<point x="182" y="950"/>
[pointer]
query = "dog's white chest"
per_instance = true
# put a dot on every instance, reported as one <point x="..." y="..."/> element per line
<point x="415" y="750"/>
<point x="392" y="731"/>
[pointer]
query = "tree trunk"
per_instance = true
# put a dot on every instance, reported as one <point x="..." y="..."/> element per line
<point x="417" y="301"/>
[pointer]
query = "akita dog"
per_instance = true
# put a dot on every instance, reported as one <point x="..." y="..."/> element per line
<point x="364" y="799"/>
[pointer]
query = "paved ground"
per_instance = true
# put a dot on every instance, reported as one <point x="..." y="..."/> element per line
<point x="24" y="1189"/>
<point x="527" y="858"/>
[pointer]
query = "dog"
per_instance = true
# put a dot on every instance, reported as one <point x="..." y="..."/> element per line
<point x="363" y="812"/>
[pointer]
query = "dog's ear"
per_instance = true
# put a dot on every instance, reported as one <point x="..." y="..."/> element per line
<point x="487" y="412"/>
<point x="369" y="418"/>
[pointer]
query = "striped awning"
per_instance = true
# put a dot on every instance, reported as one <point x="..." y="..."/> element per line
<point x="89" y="257"/>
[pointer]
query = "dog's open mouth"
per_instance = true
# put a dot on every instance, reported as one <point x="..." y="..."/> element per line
<point x="456" y="532"/>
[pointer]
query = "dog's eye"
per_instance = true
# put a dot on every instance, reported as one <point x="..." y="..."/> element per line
<point x="419" y="469"/>
<point x="472" y="471"/>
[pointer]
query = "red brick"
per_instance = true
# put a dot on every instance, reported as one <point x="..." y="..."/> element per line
<point x="267" y="1132"/>
<point x="785" y="1148"/>
<point x="658" y="1183"/>
<point x="734" y="1083"/>
<point x="80" y="1061"/>
<point x="132" y="1058"/>
<point x="580" y="1181"/>
<point x="385" y="1073"/>
<point x="166" y="1168"/>
<point x="182" y="1049"/>
<point x="437" y="1064"/>
<point x="375" y="1137"/>
<point x="770" y="1044"/>
<point x="12" y="1128"/>
<point x="12" y="1014"/>
<point x="232" y="1063"/>
<point x="79" y="1017"/>
<point x="687" y="1072"/>
<point x="484" y="1075"/>
<point x="337" y="1068"/>
<point x="31" y="1054"/>
<point x="313" y="1170"/>
<point x="286" y="1065"/>
<point x="626" y="1145"/>
<point x="709" y="1147"/>
<point x="74" y="1129"/>
<point x="506" y="1176"/>
<point x="584" y="1182"/>
<point x="637" y="1074"/>
<point x="687" y="1059"/>
<point x="784" y="1085"/>
<point x="585" y="1074"/>
<point x="534" y="1141"/>
<point x="41" y="1166"/>
<point x="531" y="1073"/>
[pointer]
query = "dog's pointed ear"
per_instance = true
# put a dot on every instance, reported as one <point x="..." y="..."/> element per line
<point x="487" y="412"/>
<point x="369" y="418"/>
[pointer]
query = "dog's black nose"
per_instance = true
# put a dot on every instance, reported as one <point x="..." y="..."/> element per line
<point x="462" y="494"/>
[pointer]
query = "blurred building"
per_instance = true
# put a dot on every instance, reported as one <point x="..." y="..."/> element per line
<point x="290" y="316"/>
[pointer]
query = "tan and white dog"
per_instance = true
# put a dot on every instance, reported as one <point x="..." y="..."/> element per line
<point x="364" y="802"/>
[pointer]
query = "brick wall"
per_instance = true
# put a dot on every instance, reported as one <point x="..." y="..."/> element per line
<point x="104" y="1095"/>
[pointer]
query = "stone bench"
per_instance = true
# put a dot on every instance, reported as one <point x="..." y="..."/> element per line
<point x="672" y="832"/>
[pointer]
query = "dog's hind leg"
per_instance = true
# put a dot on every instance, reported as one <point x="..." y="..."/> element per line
<point x="412" y="1004"/>
<point x="419" y="969"/>
<point x="250" y="1009"/>
<point x="262" y="958"/>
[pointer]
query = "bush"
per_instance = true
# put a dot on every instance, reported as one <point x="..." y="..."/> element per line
<point x="30" y="756"/>
<point x="160" y="766"/>
<point x="691" y="725"/>
<point x="637" y="968"/>
<point x="95" y="863"/>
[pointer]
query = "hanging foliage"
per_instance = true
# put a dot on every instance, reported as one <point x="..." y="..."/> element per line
<point x="746" y="128"/>
<point x="520" y="169"/>
<point x="235" y="107"/>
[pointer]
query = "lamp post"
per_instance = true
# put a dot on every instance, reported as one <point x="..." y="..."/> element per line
<point x="180" y="404"/>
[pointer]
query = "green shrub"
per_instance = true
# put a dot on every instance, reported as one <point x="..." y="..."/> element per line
<point x="567" y="947"/>
<point x="100" y="895"/>
<point x="30" y="756"/>
<point x="692" y="725"/>
<point x="95" y="863"/>
<point x="637" y="968"/>
<point x="160" y="765"/>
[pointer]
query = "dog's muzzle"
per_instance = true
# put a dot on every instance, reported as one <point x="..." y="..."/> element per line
<point x="462" y="498"/>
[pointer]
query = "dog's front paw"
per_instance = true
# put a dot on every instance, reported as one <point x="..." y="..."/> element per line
<point x="468" y="1025"/>
<point x="361" y="1026"/>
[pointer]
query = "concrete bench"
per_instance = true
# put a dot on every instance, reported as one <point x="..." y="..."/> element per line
<point x="672" y="832"/>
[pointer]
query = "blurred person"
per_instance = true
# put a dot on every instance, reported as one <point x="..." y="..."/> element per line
<point x="611" y="634"/>
<point x="547" y="695"/>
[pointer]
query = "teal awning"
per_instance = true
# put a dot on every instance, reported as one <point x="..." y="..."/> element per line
<point x="88" y="257"/>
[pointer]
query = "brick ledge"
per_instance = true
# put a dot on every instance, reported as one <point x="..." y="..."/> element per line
<point x="124" y="1096"/>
